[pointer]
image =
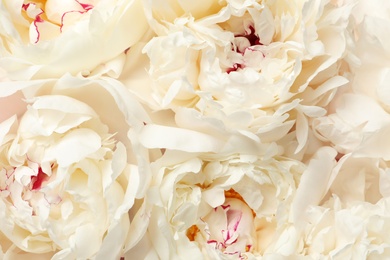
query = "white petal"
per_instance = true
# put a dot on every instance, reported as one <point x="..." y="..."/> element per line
<point x="74" y="146"/>
<point x="86" y="241"/>
<point x="118" y="164"/>
<point x="314" y="181"/>
<point x="376" y="145"/>
<point x="62" y="103"/>
<point x="156" y="136"/>
<point x="112" y="245"/>
<point x="5" y="127"/>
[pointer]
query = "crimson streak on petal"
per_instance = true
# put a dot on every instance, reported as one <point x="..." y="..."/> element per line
<point x="37" y="180"/>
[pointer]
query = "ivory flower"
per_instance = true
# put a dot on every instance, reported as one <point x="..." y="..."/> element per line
<point x="337" y="231"/>
<point x="218" y="208"/>
<point x="68" y="179"/>
<point x="361" y="110"/>
<point x="347" y="212"/>
<point x="43" y="39"/>
<point x="255" y="68"/>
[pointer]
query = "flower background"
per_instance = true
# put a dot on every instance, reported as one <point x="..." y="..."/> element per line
<point x="173" y="129"/>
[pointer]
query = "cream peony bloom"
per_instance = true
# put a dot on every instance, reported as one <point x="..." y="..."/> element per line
<point x="43" y="39"/>
<point x="259" y="69"/>
<point x="360" y="112"/>
<point x="208" y="207"/>
<point x="69" y="172"/>
<point x="337" y="231"/>
<point x="341" y="207"/>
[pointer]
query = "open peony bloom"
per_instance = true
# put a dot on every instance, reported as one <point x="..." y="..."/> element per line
<point x="218" y="208"/>
<point x="350" y="209"/>
<point x="340" y="209"/>
<point x="66" y="182"/>
<point x="338" y="231"/>
<point x="334" y="230"/>
<point x="360" y="112"/>
<point x="351" y="218"/>
<point x="254" y="67"/>
<point x="42" y="39"/>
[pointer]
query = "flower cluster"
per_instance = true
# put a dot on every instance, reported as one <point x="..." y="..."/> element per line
<point x="214" y="129"/>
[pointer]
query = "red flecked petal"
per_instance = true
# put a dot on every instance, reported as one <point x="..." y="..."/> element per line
<point x="38" y="180"/>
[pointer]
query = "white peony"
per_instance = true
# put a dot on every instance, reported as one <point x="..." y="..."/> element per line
<point x="69" y="172"/>
<point x="337" y="231"/>
<point x="341" y="208"/>
<point x="43" y="39"/>
<point x="213" y="207"/>
<point x="360" y="111"/>
<point x="253" y="68"/>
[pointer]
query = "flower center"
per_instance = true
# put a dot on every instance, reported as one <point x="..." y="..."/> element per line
<point x="243" y="45"/>
<point x="24" y="181"/>
<point x="48" y="18"/>
<point x="251" y="37"/>
<point x="37" y="180"/>
<point x="230" y="234"/>
<point x="228" y="227"/>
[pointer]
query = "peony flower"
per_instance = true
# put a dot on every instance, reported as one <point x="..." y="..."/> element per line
<point x="69" y="172"/>
<point x="347" y="213"/>
<point x="213" y="207"/>
<point x="43" y="39"/>
<point x="336" y="231"/>
<point x="258" y="69"/>
<point x="360" y="111"/>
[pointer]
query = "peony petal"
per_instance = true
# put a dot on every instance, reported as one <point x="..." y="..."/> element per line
<point x="73" y="147"/>
<point x="86" y="241"/>
<point x="314" y="181"/>
<point x="384" y="183"/>
<point x="138" y="226"/>
<point x="383" y="88"/>
<point x="112" y="245"/>
<point x="376" y="145"/>
<point x="12" y="105"/>
<point x="264" y="25"/>
<point x="302" y="130"/>
<point x="62" y="103"/>
<point x="5" y="127"/>
<point x="156" y="136"/>
<point x="10" y="87"/>
<point x="119" y="162"/>
<point x="130" y="193"/>
<point x="133" y="111"/>
<point x="214" y="197"/>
